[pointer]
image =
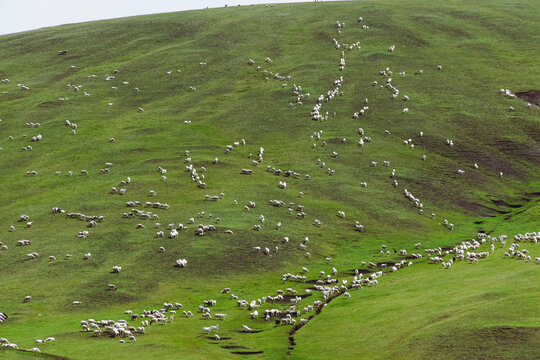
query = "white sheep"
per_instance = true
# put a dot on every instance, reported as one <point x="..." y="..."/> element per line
<point x="247" y="329"/>
<point x="181" y="263"/>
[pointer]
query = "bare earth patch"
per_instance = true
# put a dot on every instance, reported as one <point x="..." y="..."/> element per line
<point x="532" y="96"/>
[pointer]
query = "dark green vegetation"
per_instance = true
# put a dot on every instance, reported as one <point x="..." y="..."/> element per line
<point x="484" y="310"/>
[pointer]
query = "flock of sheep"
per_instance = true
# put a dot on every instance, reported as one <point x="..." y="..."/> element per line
<point x="293" y="309"/>
<point x="289" y="306"/>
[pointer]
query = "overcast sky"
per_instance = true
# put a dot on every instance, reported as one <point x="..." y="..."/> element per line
<point x="23" y="15"/>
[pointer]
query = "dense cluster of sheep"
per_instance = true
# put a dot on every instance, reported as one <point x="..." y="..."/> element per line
<point x="122" y="328"/>
<point x="468" y="250"/>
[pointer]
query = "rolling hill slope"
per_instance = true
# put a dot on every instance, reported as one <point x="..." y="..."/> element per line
<point x="112" y="68"/>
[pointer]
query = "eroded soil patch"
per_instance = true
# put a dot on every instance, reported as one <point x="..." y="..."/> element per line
<point x="532" y="96"/>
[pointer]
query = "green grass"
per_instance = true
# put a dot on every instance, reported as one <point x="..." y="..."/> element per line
<point x="486" y="310"/>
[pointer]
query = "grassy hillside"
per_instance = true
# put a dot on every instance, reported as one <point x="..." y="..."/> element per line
<point x="483" y="310"/>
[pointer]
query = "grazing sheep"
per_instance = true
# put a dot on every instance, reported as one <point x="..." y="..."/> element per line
<point x="32" y="256"/>
<point x="181" y="263"/>
<point x="247" y="329"/>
